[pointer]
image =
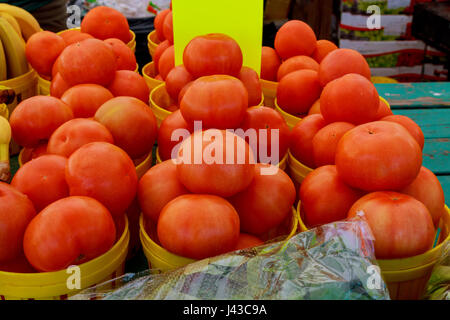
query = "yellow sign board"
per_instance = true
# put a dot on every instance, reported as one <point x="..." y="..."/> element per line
<point x="240" y="19"/>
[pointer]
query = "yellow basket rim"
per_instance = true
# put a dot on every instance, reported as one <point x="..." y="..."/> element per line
<point x="13" y="81"/>
<point x="385" y="101"/>
<point x="290" y="119"/>
<point x="149" y="38"/>
<point x="154" y="105"/>
<point x="297" y="165"/>
<point x="146" y="76"/>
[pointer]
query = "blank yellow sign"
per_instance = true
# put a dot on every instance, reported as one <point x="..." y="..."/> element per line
<point x="240" y="19"/>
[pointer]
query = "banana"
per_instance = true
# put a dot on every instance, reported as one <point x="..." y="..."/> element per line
<point x="3" y="65"/>
<point x="5" y="139"/>
<point x="14" y="47"/>
<point x="28" y="24"/>
<point x="12" y="21"/>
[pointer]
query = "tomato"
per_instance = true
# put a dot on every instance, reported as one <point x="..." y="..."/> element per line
<point x="270" y="62"/>
<point x="183" y="91"/>
<point x="401" y="225"/>
<point x="315" y="109"/>
<point x="132" y="124"/>
<point x="213" y="54"/>
<point x="297" y="91"/>
<point x="16" y="212"/>
<point x="325" y="198"/>
<point x="40" y="42"/>
<point x="166" y="142"/>
<point x="378" y="156"/>
<point x="158" y="187"/>
<point x="323" y="48"/>
<point x="55" y="68"/>
<point x="158" y="53"/>
<point x="427" y="189"/>
<point x="351" y="98"/>
<point x="159" y="23"/>
<point x="296" y="63"/>
<point x="267" y="202"/>
<point x="198" y="226"/>
<point x="42" y="180"/>
<point x="295" y="38"/>
<point x="247" y="241"/>
<point x="104" y="23"/>
<point x="218" y="170"/>
<point x="30" y="121"/>
<point x="166" y="62"/>
<point x="131" y="84"/>
<point x="269" y="119"/>
<point x="70" y="231"/>
<point x="125" y="57"/>
<point x="250" y="79"/>
<point x="326" y="140"/>
<point x="18" y="265"/>
<point x="168" y="27"/>
<point x="76" y="133"/>
<point x="71" y="36"/>
<point x="89" y="61"/>
<point x="158" y="77"/>
<point x="85" y="99"/>
<point x="58" y="86"/>
<point x="383" y="110"/>
<point x="340" y="62"/>
<point x="218" y="101"/>
<point x="176" y="80"/>
<point x="104" y="172"/>
<point x="40" y="150"/>
<point x="302" y="136"/>
<point x="409" y="124"/>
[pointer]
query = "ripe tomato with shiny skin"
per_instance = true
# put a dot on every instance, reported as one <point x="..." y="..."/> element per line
<point x="250" y="79"/>
<point x="270" y="62"/>
<point x="297" y="63"/>
<point x="247" y="241"/>
<point x="165" y="143"/>
<point x="85" y="99"/>
<point x="176" y="80"/>
<point x="409" y="124"/>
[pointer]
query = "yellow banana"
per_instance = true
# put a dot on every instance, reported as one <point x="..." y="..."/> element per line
<point x="5" y="139"/>
<point x="12" y="21"/>
<point x="28" y="24"/>
<point x="14" y="47"/>
<point x="3" y="64"/>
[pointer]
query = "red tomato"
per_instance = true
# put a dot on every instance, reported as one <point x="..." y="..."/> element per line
<point x="340" y="62"/>
<point x="70" y="231"/>
<point x="18" y="265"/>
<point x="85" y="99"/>
<point x="198" y="226"/>
<point x="378" y="156"/>
<point x="270" y="62"/>
<point x="401" y="225"/>
<point x="131" y="123"/>
<point x="55" y="68"/>
<point x="427" y="189"/>
<point x="76" y="133"/>
<point x="125" y="57"/>
<point x="158" y="187"/>
<point x="213" y="54"/>
<point x="247" y="241"/>
<point x="325" y="198"/>
<point x="323" y="48"/>
<point x="40" y="150"/>
<point x="158" y="53"/>
<point x="159" y="23"/>
<point x="168" y="27"/>
<point x="250" y="79"/>
<point x="166" y="62"/>
<point x="42" y="180"/>
<point x="351" y="98"/>
<point x="267" y="202"/>
<point x="183" y="91"/>
<point x="295" y="38"/>
<point x="315" y="109"/>
<point x="131" y="84"/>
<point x="104" y="172"/>
<point x="89" y="61"/>
<point x="302" y="135"/>
<point x="218" y="101"/>
<point x="16" y="212"/>
<point x="297" y="63"/>
<point x="165" y="143"/>
<point x="383" y="110"/>
<point x="176" y="80"/>
<point x="217" y="170"/>
<point x="105" y="22"/>
<point x="269" y="119"/>
<point x="58" y="86"/>
<point x="326" y="140"/>
<point x="30" y="121"/>
<point x="297" y="91"/>
<point x="71" y="36"/>
<point x="40" y="42"/>
<point x="409" y="124"/>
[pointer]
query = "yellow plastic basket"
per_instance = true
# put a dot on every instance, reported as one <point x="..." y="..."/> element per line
<point x="298" y="170"/>
<point x="53" y="285"/>
<point x="291" y="120"/>
<point x="153" y="42"/>
<point x="269" y="89"/>
<point x="149" y="74"/>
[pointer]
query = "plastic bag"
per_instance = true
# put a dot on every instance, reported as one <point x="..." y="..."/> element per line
<point x="130" y="8"/>
<point x="329" y="262"/>
<point x="438" y="287"/>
